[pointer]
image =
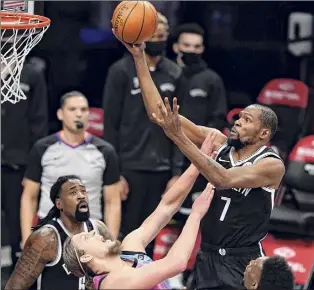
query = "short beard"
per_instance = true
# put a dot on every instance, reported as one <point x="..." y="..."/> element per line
<point x="81" y="216"/>
<point x="236" y="143"/>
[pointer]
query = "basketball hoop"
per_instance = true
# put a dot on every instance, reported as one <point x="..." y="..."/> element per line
<point x="20" y="32"/>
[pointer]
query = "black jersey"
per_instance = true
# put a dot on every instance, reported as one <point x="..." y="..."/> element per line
<point x="239" y="217"/>
<point x="55" y="275"/>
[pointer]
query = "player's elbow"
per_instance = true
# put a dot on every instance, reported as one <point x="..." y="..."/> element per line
<point x="226" y="181"/>
<point x="180" y="265"/>
<point x="218" y="184"/>
<point x="221" y="182"/>
<point x="178" y="262"/>
<point x="177" y="265"/>
<point x="170" y="204"/>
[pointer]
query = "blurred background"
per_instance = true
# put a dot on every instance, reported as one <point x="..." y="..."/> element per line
<point x="248" y="45"/>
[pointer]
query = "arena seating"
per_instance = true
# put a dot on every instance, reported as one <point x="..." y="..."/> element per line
<point x="289" y="99"/>
<point x="96" y="121"/>
<point x="232" y="116"/>
<point x="295" y="214"/>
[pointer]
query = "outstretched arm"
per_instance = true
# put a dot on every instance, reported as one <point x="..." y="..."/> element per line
<point x="152" y="98"/>
<point x="177" y="258"/>
<point x="168" y="206"/>
<point x="39" y="250"/>
<point x="266" y="172"/>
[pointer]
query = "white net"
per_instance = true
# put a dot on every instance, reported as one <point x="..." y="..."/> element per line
<point x="16" y="43"/>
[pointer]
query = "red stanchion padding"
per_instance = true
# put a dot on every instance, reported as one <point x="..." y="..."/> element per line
<point x="35" y="220"/>
<point x="303" y="151"/>
<point x="233" y="115"/>
<point x="165" y="240"/>
<point x="96" y="122"/>
<point x="286" y="92"/>
<point x="299" y="255"/>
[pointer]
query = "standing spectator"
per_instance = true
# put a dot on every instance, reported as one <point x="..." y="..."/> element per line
<point x="23" y="124"/>
<point x="72" y="151"/>
<point x="205" y="101"/>
<point x="146" y="154"/>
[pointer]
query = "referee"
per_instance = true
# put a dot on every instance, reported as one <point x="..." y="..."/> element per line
<point x="72" y="151"/>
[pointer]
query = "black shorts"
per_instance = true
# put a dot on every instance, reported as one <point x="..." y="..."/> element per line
<point x="222" y="268"/>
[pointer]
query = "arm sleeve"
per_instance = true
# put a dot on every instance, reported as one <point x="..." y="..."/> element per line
<point x="111" y="174"/>
<point x="38" y="110"/>
<point x="34" y="168"/>
<point x="113" y="99"/>
<point x="217" y="104"/>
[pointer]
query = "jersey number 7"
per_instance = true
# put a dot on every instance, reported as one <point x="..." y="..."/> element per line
<point x="224" y="211"/>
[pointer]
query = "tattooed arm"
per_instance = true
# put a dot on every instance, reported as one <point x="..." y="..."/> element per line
<point x="40" y="249"/>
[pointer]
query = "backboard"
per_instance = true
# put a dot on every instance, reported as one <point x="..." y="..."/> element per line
<point x="32" y="7"/>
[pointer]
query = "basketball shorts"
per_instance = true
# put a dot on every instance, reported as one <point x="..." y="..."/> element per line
<point x="222" y="268"/>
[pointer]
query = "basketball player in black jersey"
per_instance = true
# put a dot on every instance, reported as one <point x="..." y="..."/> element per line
<point x="41" y="258"/>
<point x="246" y="175"/>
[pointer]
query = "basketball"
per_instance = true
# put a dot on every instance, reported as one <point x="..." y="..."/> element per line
<point x="134" y="21"/>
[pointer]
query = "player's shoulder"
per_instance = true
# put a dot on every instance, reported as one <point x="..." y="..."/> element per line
<point x="268" y="158"/>
<point x="44" y="232"/>
<point x="43" y="241"/>
<point x="42" y="237"/>
<point x="45" y="142"/>
<point x="171" y="67"/>
<point x="268" y="153"/>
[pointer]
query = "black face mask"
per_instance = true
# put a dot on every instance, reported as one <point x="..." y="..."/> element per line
<point x="190" y="58"/>
<point x="155" y="48"/>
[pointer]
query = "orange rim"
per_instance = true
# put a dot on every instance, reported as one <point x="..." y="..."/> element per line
<point x="8" y="17"/>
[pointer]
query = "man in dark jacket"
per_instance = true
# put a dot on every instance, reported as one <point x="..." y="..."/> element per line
<point x="205" y="100"/>
<point x="146" y="154"/>
<point x="23" y="124"/>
